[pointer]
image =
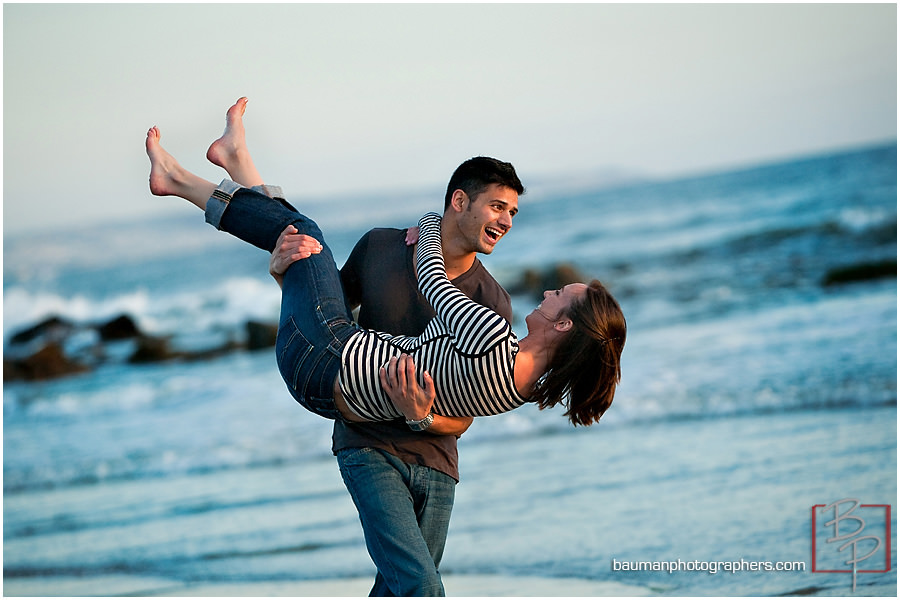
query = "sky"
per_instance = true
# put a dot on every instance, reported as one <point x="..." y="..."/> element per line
<point x="371" y="98"/>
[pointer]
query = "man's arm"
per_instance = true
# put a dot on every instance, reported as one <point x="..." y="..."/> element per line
<point x="291" y="247"/>
<point x="450" y="425"/>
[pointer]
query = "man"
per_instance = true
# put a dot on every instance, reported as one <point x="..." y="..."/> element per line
<point x="403" y="481"/>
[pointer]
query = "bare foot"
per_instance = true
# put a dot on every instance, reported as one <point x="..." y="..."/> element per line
<point x="230" y="151"/>
<point x="222" y="152"/>
<point x="164" y="169"/>
<point x="169" y="178"/>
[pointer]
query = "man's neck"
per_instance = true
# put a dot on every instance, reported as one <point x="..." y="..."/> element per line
<point x="457" y="258"/>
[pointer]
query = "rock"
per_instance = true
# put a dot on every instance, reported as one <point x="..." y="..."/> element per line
<point x="47" y="363"/>
<point x="53" y="329"/>
<point x="210" y="353"/>
<point x="152" y="349"/>
<point x="260" y="335"/>
<point x="535" y="283"/>
<point x="122" y="327"/>
<point x="530" y="282"/>
<point x="861" y="272"/>
<point x="562" y="275"/>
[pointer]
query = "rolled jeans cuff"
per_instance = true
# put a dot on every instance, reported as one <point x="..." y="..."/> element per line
<point x="218" y="202"/>
<point x="272" y="191"/>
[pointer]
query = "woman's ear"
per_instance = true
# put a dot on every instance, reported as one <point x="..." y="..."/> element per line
<point x="563" y="325"/>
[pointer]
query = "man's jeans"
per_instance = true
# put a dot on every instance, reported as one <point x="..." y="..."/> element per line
<point x="405" y="512"/>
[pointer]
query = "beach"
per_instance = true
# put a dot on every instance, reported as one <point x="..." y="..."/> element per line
<point x="719" y="489"/>
<point x="461" y="586"/>
<point x="759" y="382"/>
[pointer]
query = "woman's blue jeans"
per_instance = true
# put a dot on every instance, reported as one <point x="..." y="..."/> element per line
<point x="315" y="322"/>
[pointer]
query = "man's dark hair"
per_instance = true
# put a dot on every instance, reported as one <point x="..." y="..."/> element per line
<point x="476" y="174"/>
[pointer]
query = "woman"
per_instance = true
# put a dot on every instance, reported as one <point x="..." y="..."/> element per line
<point x="472" y="363"/>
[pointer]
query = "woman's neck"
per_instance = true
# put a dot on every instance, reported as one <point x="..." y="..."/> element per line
<point x="532" y="362"/>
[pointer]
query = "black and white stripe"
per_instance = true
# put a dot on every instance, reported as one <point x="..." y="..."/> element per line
<point x="468" y="349"/>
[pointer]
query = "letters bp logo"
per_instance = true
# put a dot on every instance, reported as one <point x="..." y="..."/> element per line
<point x="850" y="537"/>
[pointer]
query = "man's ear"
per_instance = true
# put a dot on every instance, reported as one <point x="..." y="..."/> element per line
<point x="563" y="325"/>
<point x="459" y="200"/>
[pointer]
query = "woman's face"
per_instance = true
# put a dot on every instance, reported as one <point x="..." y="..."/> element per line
<point x="556" y="301"/>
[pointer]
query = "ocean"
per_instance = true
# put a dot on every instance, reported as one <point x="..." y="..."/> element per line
<point x="754" y="389"/>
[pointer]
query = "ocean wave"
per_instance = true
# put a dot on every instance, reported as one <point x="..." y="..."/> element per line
<point x="720" y="279"/>
<point x="860" y="219"/>
<point x="228" y="304"/>
<point x="23" y="307"/>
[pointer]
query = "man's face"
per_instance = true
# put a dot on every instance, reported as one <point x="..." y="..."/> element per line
<point x="488" y="217"/>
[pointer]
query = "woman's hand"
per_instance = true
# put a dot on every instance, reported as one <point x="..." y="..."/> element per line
<point x="412" y="236"/>
<point x="399" y="381"/>
<point x="291" y="247"/>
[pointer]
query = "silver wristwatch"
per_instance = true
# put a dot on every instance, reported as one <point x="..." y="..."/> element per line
<point x="421" y="424"/>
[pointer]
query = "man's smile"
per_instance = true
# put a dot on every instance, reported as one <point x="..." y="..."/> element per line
<point x="493" y="233"/>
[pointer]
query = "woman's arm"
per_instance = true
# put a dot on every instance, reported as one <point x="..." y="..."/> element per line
<point x="477" y="328"/>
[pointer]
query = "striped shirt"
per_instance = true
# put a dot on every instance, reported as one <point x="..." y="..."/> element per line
<point x="468" y="349"/>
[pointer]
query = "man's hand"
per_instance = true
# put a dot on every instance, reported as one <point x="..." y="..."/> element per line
<point x="399" y="381"/>
<point x="412" y="235"/>
<point x="291" y="247"/>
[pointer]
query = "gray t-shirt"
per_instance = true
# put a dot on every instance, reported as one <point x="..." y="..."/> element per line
<point x="380" y="279"/>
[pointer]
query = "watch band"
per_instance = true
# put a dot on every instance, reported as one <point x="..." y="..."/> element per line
<point x="421" y="424"/>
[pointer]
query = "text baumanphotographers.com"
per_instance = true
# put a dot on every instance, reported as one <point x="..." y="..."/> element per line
<point x="709" y="566"/>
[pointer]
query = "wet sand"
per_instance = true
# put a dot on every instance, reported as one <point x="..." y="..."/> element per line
<point x="718" y="489"/>
<point x="457" y="585"/>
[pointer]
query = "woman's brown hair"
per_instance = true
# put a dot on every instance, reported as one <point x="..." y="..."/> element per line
<point x="585" y="366"/>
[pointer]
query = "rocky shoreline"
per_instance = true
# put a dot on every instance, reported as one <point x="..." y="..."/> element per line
<point x="56" y="347"/>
